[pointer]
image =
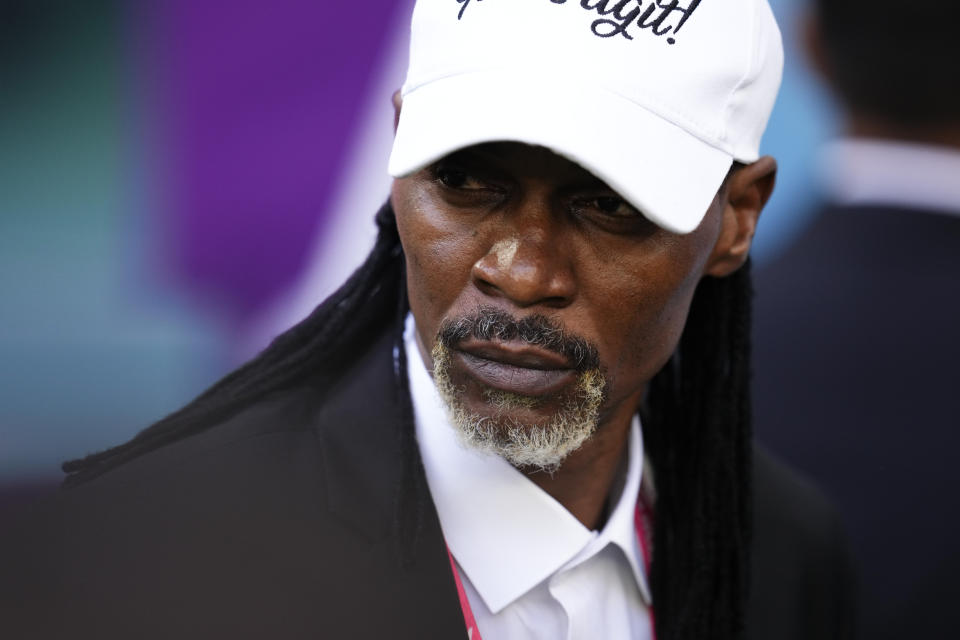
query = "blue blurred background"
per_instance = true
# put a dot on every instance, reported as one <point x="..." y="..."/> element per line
<point x="177" y="181"/>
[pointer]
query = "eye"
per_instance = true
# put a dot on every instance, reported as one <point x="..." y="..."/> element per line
<point x="606" y="205"/>
<point x="463" y="186"/>
<point x="453" y="177"/>
<point x="614" y="206"/>
<point x="612" y="213"/>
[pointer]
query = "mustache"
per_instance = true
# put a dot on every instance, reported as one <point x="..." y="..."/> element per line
<point x="537" y="330"/>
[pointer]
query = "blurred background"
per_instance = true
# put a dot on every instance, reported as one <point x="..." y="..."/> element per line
<point x="179" y="181"/>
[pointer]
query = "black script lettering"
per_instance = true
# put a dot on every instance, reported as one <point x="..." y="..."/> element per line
<point x="655" y="24"/>
<point x="642" y="22"/>
<point x="666" y="11"/>
<point x="465" y="3"/>
<point x="687" y="12"/>
<point x="619" y="15"/>
<point x="607" y="27"/>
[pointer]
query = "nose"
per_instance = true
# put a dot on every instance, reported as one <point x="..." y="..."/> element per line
<point x="527" y="263"/>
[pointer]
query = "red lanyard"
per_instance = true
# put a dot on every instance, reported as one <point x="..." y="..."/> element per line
<point x="472" y="632"/>
<point x="642" y="520"/>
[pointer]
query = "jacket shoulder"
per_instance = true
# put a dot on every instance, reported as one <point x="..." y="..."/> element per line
<point x="299" y="412"/>
<point x="260" y="526"/>
<point x="289" y="415"/>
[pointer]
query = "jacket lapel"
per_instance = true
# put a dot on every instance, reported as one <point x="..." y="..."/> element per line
<point x="363" y="466"/>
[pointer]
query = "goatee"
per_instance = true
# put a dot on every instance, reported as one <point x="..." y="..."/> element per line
<point x="540" y="446"/>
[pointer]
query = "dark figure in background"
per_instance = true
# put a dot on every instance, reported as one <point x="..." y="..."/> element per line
<point x="563" y="266"/>
<point x="858" y="322"/>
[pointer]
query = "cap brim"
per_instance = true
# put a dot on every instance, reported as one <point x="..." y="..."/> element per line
<point x="665" y="172"/>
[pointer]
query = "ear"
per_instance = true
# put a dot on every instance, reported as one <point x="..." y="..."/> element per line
<point x="397" y="105"/>
<point x="743" y="198"/>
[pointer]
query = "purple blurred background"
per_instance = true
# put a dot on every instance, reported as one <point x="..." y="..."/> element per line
<point x="257" y="104"/>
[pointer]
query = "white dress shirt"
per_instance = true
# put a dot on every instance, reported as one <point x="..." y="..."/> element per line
<point x="865" y="171"/>
<point x="529" y="568"/>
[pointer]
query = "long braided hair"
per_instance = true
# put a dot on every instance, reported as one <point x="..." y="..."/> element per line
<point x="696" y="423"/>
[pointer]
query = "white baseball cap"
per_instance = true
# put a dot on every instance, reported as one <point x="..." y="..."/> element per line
<point x="655" y="97"/>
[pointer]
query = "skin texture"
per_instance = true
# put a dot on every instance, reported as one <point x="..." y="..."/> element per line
<point x="524" y="230"/>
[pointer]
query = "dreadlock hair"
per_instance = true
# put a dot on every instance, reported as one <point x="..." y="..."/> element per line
<point x="696" y="425"/>
<point x="317" y="347"/>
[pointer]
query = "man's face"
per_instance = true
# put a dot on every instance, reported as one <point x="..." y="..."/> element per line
<point x="579" y="282"/>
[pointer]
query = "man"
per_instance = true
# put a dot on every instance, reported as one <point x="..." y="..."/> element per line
<point x="864" y="306"/>
<point x="451" y="445"/>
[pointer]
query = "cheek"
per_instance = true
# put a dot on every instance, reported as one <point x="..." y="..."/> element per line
<point x="657" y="334"/>
<point x="646" y="310"/>
<point x="648" y="334"/>
<point x="438" y="256"/>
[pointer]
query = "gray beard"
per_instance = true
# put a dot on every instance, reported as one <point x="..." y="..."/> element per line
<point x="541" y="447"/>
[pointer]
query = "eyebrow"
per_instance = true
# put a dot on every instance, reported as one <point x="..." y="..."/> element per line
<point x="486" y="155"/>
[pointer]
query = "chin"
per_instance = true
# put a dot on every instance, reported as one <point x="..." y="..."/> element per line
<point x="531" y="432"/>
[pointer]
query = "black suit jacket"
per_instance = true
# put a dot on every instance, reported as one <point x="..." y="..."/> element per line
<point x="279" y="523"/>
<point x="857" y="353"/>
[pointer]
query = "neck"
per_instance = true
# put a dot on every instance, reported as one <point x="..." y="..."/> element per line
<point x="584" y="481"/>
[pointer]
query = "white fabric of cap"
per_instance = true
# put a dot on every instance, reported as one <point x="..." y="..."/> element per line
<point x="659" y="122"/>
<point x="631" y="169"/>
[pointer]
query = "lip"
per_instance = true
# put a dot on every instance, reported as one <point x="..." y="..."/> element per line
<point x="515" y="367"/>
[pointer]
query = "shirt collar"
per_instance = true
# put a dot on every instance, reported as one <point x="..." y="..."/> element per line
<point x="506" y="533"/>
<point x="865" y="171"/>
